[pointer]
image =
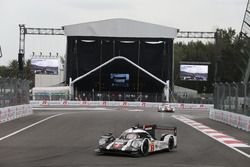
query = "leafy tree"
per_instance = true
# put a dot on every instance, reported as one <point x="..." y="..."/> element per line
<point x="12" y="71"/>
<point x="28" y="73"/>
<point x="228" y="57"/>
<point x="4" y="72"/>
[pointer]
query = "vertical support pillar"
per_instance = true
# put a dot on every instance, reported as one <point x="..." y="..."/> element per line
<point x="236" y="96"/>
<point x="76" y="58"/>
<point x="1" y="54"/>
<point x="71" y="89"/>
<point x="138" y="62"/>
<point x="229" y="94"/>
<point x="21" y="51"/>
<point x="170" y="64"/>
<point x="113" y="47"/>
<point x="245" y="97"/>
<point x="223" y="96"/>
<point x="100" y="71"/>
<point x="166" y="91"/>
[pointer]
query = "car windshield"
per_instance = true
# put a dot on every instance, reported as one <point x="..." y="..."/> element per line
<point x="130" y="136"/>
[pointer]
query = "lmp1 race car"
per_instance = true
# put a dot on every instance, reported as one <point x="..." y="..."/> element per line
<point x="165" y="108"/>
<point x="139" y="141"/>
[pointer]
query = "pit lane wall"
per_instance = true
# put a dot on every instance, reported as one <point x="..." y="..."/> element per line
<point x="180" y="106"/>
<point x="233" y="119"/>
<point x="14" y="112"/>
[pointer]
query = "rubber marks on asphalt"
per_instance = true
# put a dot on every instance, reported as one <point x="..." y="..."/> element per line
<point x="219" y="136"/>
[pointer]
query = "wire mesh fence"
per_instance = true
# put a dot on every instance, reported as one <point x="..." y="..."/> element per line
<point x="143" y="96"/>
<point x="119" y="96"/>
<point x="13" y="92"/>
<point x="234" y="97"/>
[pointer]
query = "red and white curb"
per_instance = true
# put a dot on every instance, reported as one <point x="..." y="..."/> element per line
<point x="219" y="136"/>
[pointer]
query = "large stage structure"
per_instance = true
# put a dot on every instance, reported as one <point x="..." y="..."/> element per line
<point x="147" y="45"/>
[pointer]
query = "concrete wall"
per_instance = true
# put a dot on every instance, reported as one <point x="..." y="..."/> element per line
<point x="14" y="112"/>
<point x="180" y="106"/>
<point x="230" y="118"/>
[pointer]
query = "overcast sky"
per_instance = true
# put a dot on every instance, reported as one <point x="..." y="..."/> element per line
<point x="191" y="15"/>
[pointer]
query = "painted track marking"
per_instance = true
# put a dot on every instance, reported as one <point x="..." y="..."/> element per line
<point x="218" y="136"/>
<point x="73" y="108"/>
<point x="27" y="127"/>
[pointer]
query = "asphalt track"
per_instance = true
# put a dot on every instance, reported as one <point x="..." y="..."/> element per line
<point x="69" y="140"/>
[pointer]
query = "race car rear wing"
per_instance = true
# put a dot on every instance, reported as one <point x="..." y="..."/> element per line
<point x="151" y="129"/>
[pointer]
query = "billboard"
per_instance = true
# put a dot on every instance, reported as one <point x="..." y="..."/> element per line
<point x="119" y="80"/>
<point x="47" y="66"/>
<point x="194" y="72"/>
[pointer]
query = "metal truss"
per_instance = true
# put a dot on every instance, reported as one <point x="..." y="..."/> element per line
<point x="58" y="31"/>
<point x="35" y="31"/>
<point x="32" y="31"/>
<point x="1" y="54"/>
<point x="245" y="28"/>
<point x="196" y="34"/>
<point x="44" y="31"/>
<point x="245" y="32"/>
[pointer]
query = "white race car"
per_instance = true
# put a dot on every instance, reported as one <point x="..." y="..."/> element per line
<point x="139" y="140"/>
<point x="165" y="108"/>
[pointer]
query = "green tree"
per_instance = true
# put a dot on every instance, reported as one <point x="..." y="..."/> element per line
<point x="13" y="69"/>
<point x="194" y="52"/>
<point x="227" y="55"/>
<point x="28" y="73"/>
<point x="4" y="71"/>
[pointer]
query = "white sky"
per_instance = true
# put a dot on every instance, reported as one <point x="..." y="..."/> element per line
<point x="190" y="15"/>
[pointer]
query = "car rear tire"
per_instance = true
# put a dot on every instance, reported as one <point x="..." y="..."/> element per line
<point x="170" y="143"/>
<point x="145" y="147"/>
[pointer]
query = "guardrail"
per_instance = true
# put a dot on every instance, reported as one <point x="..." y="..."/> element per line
<point x="14" y="112"/>
<point x="236" y="120"/>
<point x="181" y="106"/>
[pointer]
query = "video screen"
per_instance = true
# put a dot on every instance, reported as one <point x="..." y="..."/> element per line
<point x="190" y="72"/>
<point x="45" y="66"/>
<point x="119" y="80"/>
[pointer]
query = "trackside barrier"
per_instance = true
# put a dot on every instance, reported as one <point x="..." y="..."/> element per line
<point x="233" y="119"/>
<point x="181" y="106"/>
<point x="14" y="112"/>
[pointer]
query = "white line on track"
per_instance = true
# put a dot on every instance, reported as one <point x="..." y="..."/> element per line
<point x="215" y="135"/>
<point x="74" y="109"/>
<point x="27" y="127"/>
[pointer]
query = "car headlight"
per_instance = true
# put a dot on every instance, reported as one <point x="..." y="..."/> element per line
<point x="136" y="144"/>
<point x="102" y="141"/>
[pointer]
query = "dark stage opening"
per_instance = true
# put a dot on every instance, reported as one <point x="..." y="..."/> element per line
<point x="85" y="54"/>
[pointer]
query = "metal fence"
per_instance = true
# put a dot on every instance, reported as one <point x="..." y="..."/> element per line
<point x="145" y="97"/>
<point x="14" y="92"/>
<point x="234" y="97"/>
<point x="197" y="99"/>
<point x="119" y="96"/>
